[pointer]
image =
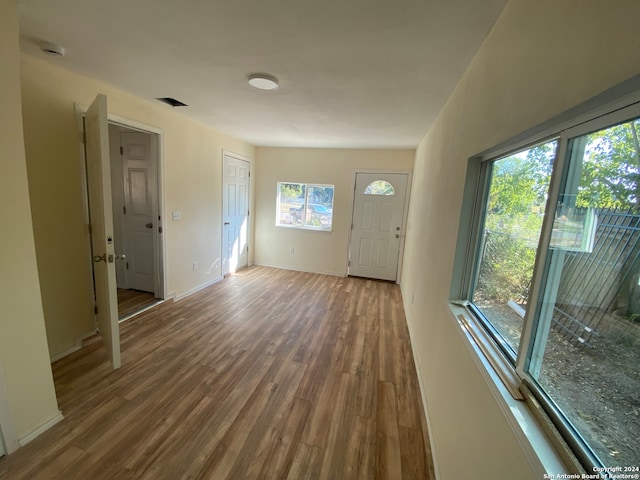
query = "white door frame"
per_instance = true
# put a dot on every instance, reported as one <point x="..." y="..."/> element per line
<point x="250" y="223"/>
<point x="159" y="243"/>
<point x="135" y="125"/>
<point x="405" y="215"/>
<point x="157" y="238"/>
<point x="117" y="200"/>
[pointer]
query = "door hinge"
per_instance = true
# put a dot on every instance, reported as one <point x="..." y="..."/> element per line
<point x="247" y="213"/>
<point x="121" y="150"/>
<point x="159" y="229"/>
<point x="124" y="209"/>
<point x="126" y="265"/>
<point x="348" y="263"/>
<point x="95" y="309"/>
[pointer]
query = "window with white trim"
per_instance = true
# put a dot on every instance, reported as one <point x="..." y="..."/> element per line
<point x="305" y="205"/>
<point x="551" y="272"/>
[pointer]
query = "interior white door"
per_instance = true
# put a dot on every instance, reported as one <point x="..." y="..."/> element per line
<point x="100" y="211"/>
<point x="140" y="196"/>
<point x="235" y="204"/>
<point x="377" y="225"/>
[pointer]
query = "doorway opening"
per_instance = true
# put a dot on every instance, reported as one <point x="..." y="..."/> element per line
<point x="135" y="195"/>
<point x="125" y="232"/>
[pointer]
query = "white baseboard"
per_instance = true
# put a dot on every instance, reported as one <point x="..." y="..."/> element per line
<point x="177" y="298"/>
<point x="295" y="269"/>
<point x="41" y="429"/>
<point x="423" y="396"/>
<point x="68" y="351"/>
<point x="77" y="345"/>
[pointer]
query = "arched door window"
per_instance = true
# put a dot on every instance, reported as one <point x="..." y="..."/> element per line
<point x="380" y="187"/>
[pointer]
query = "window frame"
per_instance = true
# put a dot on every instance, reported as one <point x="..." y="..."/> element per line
<point x="307" y="187"/>
<point x="393" y="190"/>
<point x="613" y="107"/>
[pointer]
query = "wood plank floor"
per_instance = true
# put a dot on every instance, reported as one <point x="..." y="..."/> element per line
<point x="267" y="374"/>
<point x="131" y="301"/>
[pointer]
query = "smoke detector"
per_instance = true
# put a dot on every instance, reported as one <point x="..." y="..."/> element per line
<point x="52" y="49"/>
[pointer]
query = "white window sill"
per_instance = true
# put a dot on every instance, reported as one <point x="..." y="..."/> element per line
<point x="504" y="386"/>
<point x="305" y="227"/>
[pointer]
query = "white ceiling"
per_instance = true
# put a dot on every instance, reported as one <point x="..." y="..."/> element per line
<point x="353" y="73"/>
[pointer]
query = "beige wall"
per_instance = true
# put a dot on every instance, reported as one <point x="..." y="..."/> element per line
<point x="192" y="185"/>
<point x="323" y="252"/>
<point x="29" y="397"/>
<point x="540" y="59"/>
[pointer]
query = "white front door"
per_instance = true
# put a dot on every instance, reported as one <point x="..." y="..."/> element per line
<point x="140" y="209"/>
<point x="377" y="225"/>
<point x="235" y="214"/>
<point x="102" y="239"/>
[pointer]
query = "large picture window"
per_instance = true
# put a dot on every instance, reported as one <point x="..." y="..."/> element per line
<point x="305" y="205"/>
<point x="553" y="275"/>
<point x="518" y="188"/>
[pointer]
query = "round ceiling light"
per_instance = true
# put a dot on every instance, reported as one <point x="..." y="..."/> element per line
<point x="262" y="81"/>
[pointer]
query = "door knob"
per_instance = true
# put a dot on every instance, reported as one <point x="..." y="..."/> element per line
<point x="120" y="256"/>
<point x="149" y="225"/>
<point x="227" y="223"/>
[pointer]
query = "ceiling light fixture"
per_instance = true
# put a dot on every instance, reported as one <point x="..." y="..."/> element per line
<point x="52" y="49"/>
<point x="263" y="81"/>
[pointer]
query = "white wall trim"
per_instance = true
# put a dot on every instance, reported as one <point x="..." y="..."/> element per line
<point x="162" y="212"/>
<point x="124" y="121"/>
<point x="77" y="345"/>
<point x="57" y="418"/>
<point x="188" y="293"/>
<point x="423" y="396"/>
<point x="65" y="353"/>
<point x="237" y="155"/>
<point x="8" y="433"/>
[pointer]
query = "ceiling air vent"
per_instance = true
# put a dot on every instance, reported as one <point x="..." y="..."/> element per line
<point x="172" y="101"/>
